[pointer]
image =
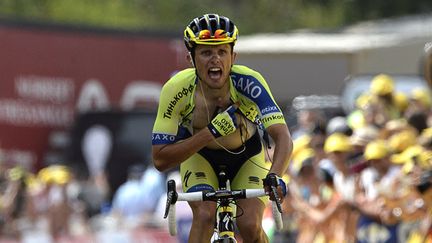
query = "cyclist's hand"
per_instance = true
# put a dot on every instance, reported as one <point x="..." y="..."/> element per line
<point x="224" y="123"/>
<point x="274" y="180"/>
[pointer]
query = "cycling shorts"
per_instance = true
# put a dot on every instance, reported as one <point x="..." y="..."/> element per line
<point x="244" y="170"/>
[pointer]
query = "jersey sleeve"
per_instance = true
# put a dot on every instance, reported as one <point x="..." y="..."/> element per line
<point x="173" y="99"/>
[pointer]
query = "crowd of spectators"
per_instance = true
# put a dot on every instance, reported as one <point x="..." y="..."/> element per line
<point x="58" y="204"/>
<point x="366" y="176"/>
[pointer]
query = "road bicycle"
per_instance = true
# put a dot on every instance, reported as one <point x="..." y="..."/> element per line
<point x="226" y="201"/>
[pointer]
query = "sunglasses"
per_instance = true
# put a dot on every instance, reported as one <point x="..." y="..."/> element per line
<point x="218" y="34"/>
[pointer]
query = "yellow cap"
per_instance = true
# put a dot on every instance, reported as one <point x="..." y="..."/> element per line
<point x="337" y="142"/>
<point x="364" y="100"/>
<point x="427" y="132"/>
<point x="425" y="159"/>
<point x="299" y="144"/>
<point x="376" y="149"/>
<point x="400" y="141"/>
<point x="401" y="101"/>
<point x="422" y="96"/>
<point x="34" y="184"/>
<point x="412" y="156"/>
<point x="56" y="174"/>
<point x="382" y="84"/>
<point x="425" y="137"/>
<point x="300" y="158"/>
<point x="407" y="155"/>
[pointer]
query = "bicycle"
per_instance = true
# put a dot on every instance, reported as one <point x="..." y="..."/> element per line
<point x="225" y="198"/>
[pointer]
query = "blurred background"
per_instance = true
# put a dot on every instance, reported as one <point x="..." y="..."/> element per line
<point x="80" y="81"/>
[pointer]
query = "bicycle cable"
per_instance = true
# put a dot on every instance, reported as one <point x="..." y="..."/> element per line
<point x="269" y="157"/>
<point x="208" y="120"/>
<point x="241" y="137"/>
<point x="239" y="209"/>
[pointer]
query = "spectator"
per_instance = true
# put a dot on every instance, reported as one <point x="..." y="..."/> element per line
<point x="307" y="120"/>
<point x="359" y="139"/>
<point x="338" y="148"/>
<point x="338" y="124"/>
<point x="384" y="107"/>
<point x="136" y="200"/>
<point x="377" y="180"/>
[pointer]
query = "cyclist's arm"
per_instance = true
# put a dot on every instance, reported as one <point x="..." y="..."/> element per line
<point x="283" y="147"/>
<point x="169" y="148"/>
<point x="271" y="115"/>
<point x="166" y="156"/>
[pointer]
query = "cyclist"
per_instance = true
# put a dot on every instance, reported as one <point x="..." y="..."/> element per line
<point x="207" y="121"/>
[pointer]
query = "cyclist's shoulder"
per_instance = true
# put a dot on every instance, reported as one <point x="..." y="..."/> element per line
<point x="183" y="77"/>
<point x="244" y="70"/>
<point x="242" y="74"/>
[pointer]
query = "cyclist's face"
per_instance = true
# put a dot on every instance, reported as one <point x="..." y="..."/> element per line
<point x="213" y="64"/>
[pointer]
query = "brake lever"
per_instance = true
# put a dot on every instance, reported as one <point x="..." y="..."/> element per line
<point x="277" y="199"/>
<point x="272" y="182"/>
<point x="171" y="196"/>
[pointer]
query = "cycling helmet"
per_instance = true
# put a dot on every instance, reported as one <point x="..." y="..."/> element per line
<point x="210" y="29"/>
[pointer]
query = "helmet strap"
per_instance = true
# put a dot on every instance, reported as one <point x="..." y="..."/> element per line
<point x="192" y="56"/>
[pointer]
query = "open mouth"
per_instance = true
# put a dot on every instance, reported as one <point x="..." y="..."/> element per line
<point x="215" y="73"/>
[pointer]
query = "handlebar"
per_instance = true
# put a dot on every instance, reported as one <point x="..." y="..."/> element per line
<point x="173" y="197"/>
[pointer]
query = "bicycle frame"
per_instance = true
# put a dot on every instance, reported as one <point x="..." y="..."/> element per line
<point x="224" y="225"/>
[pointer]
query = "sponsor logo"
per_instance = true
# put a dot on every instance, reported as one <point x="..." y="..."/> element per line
<point x="272" y="117"/>
<point x="254" y="180"/>
<point x="200" y="175"/>
<point x="224" y="125"/>
<point x="200" y="188"/>
<point x="226" y="221"/>
<point x="163" y="137"/>
<point x="171" y="105"/>
<point x="186" y="177"/>
<point x="250" y="87"/>
<point x="269" y="109"/>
